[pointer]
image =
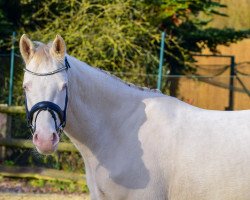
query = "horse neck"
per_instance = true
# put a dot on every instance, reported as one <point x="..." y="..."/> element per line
<point x="98" y="104"/>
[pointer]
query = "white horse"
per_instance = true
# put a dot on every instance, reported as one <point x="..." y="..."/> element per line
<point x="137" y="144"/>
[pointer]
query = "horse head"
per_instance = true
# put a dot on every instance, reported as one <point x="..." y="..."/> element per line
<point x="45" y="87"/>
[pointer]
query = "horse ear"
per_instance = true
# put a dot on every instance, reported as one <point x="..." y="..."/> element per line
<point x="58" y="48"/>
<point x="26" y="48"/>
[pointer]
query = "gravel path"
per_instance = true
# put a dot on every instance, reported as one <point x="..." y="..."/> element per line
<point x="29" y="196"/>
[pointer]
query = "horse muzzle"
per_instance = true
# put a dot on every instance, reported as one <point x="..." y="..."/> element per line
<point x="46" y="143"/>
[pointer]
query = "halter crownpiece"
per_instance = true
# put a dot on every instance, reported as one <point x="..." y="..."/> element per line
<point x="66" y="67"/>
<point x="51" y="107"/>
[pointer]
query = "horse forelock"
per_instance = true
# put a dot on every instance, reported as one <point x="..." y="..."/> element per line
<point x="41" y="54"/>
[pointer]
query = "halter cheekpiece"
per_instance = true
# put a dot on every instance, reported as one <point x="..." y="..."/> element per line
<point x="51" y="107"/>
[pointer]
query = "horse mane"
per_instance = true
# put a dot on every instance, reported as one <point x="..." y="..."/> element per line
<point x="130" y="84"/>
<point x="42" y="51"/>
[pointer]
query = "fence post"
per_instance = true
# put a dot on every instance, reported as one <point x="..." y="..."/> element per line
<point x="5" y="120"/>
<point x="3" y="133"/>
<point x="163" y="34"/>
<point x="12" y="56"/>
<point x="231" y="84"/>
<point x="12" y="65"/>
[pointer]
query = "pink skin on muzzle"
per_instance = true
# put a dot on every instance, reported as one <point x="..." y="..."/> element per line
<point x="46" y="143"/>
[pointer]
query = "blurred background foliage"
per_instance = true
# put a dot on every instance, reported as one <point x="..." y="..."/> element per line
<point x="123" y="35"/>
<point x="120" y="36"/>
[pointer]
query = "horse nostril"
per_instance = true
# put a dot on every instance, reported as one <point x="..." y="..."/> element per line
<point x="35" y="137"/>
<point x="55" y="139"/>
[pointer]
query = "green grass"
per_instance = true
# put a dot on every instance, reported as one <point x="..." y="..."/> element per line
<point x="57" y="186"/>
<point x="42" y="186"/>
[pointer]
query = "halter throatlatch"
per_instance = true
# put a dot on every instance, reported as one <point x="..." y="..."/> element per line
<point x="51" y="107"/>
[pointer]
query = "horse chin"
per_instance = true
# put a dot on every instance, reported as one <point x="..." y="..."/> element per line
<point x="47" y="151"/>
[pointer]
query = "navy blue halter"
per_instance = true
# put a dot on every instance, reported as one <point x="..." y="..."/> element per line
<point x="51" y="107"/>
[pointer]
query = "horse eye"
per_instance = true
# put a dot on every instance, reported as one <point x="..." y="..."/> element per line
<point x="25" y="87"/>
<point x="64" y="85"/>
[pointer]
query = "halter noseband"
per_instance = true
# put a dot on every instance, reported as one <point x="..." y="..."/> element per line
<point x="51" y="107"/>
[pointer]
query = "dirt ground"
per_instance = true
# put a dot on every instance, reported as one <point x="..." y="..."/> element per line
<point x="30" y="196"/>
